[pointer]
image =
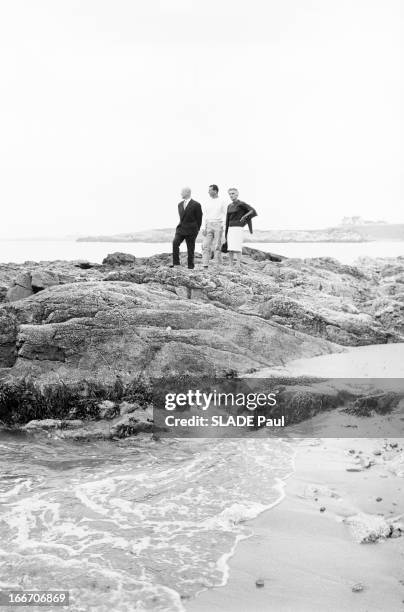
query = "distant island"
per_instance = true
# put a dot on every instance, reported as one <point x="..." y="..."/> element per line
<point x="352" y="229"/>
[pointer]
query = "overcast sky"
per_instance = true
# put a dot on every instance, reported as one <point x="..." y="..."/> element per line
<point x="109" y="107"/>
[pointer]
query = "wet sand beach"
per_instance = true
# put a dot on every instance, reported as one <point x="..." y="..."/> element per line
<point x="373" y="361"/>
<point x="308" y="558"/>
<point x="303" y="551"/>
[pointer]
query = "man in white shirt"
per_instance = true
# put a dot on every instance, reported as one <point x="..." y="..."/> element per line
<point x="214" y="215"/>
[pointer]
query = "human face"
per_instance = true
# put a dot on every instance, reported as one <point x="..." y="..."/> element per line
<point x="212" y="192"/>
<point x="233" y="193"/>
<point x="185" y="193"/>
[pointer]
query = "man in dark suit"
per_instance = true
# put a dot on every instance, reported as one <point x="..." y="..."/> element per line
<point x="190" y="213"/>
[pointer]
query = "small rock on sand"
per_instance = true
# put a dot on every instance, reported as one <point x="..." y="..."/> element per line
<point x="365" y="462"/>
<point x="368" y="527"/>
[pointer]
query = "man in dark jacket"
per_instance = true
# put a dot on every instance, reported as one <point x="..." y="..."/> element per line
<point x="190" y="213"/>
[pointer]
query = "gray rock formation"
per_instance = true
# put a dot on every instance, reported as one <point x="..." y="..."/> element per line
<point x="20" y="288"/>
<point x="118" y="259"/>
<point x="348" y="305"/>
<point x="97" y="330"/>
<point x="42" y="279"/>
<point x="369" y="528"/>
<point x="18" y="281"/>
<point x="144" y="317"/>
<point x="138" y="421"/>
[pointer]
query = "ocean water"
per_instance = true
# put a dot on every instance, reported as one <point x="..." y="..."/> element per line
<point x="131" y="525"/>
<point x="23" y="250"/>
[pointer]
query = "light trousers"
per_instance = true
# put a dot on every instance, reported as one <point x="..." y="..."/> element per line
<point x="212" y="241"/>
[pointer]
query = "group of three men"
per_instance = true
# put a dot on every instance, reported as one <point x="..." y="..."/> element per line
<point x="191" y="216"/>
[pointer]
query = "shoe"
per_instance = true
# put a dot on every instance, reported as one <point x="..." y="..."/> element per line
<point x="174" y="265"/>
<point x="191" y="267"/>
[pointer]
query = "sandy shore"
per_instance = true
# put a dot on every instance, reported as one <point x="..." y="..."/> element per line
<point x="373" y="361"/>
<point x="304" y="550"/>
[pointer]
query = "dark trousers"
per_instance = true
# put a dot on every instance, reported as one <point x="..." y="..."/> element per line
<point x="190" y="240"/>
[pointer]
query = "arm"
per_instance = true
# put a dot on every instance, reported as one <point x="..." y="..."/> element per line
<point x="199" y="216"/>
<point x="224" y="214"/>
<point x="250" y="212"/>
<point x="204" y="228"/>
<point x="227" y="225"/>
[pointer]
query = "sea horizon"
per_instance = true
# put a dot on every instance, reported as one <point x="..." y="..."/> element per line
<point x="20" y="251"/>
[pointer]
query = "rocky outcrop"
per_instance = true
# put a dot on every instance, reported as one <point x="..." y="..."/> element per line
<point x="97" y="330"/>
<point x="143" y="317"/>
<point x="387" y="307"/>
<point x="258" y="255"/>
<point x="345" y="304"/>
<point x="20" y="288"/>
<point x="379" y="403"/>
<point x="139" y="420"/>
<point x="342" y="327"/>
<point x="369" y="528"/>
<point x="118" y="259"/>
<point x="19" y="281"/>
<point x="41" y="279"/>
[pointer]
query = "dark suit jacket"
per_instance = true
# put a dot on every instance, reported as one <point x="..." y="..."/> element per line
<point x="190" y="218"/>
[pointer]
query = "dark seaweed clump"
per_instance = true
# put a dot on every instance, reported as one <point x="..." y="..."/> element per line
<point x="24" y="400"/>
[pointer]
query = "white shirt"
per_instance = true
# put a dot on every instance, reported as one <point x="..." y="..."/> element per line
<point x="186" y="202"/>
<point x="214" y="210"/>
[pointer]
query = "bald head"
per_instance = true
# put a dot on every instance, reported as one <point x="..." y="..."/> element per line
<point x="185" y="193"/>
